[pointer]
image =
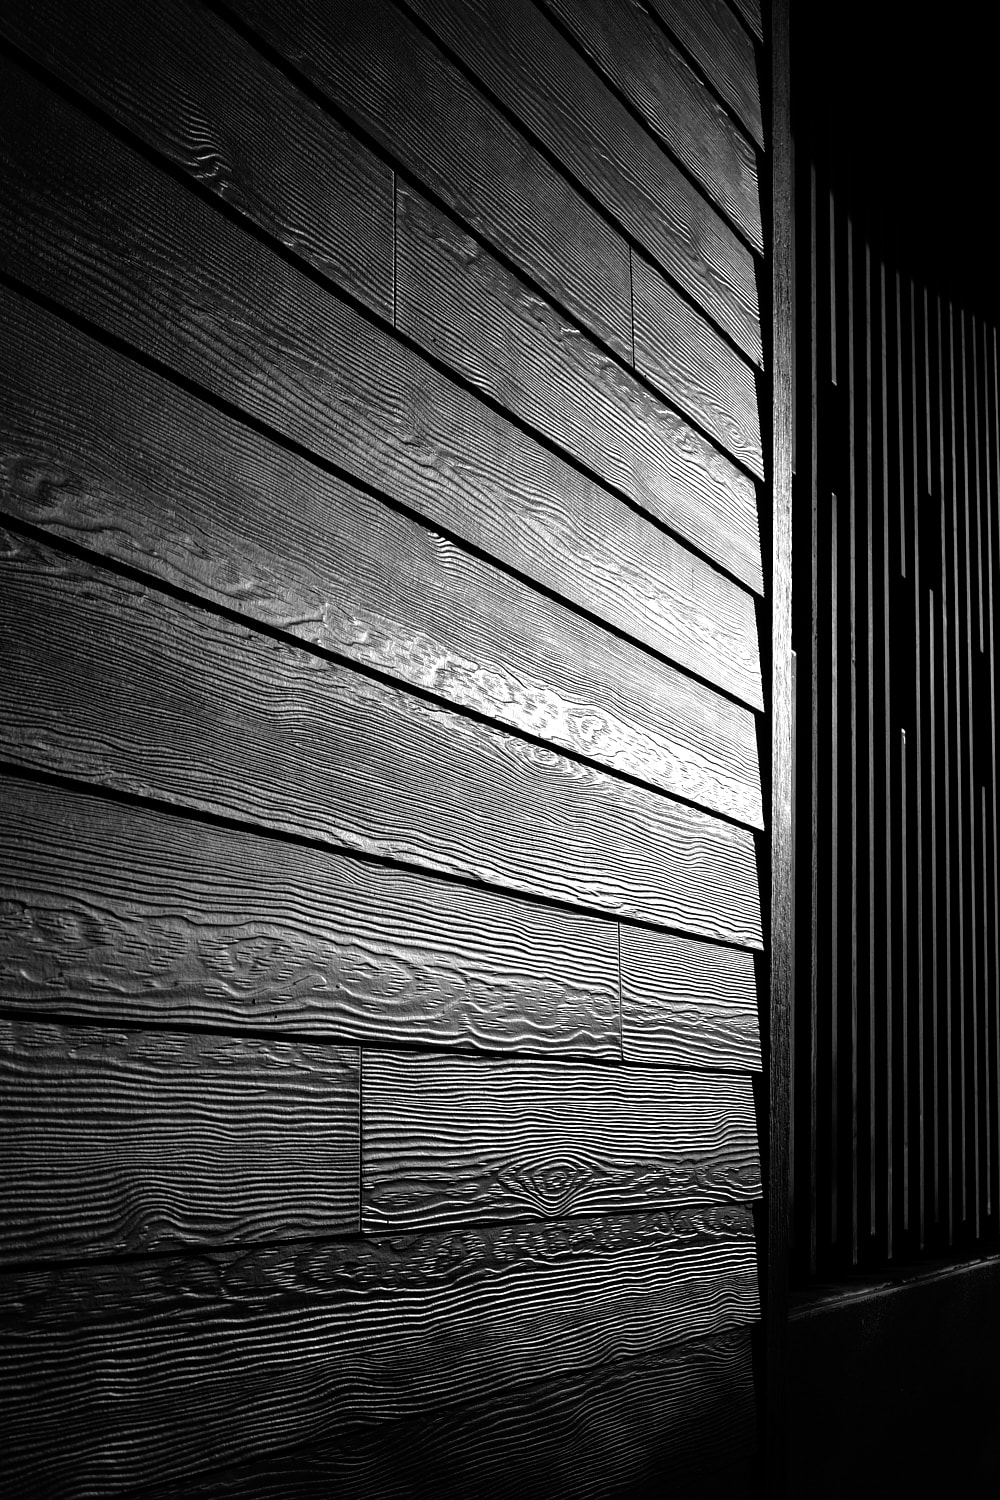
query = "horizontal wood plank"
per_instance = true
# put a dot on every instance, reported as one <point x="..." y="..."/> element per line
<point x="93" y="226"/>
<point x="113" y="683"/>
<point x="455" y="1140"/>
<point x="680" y="1411"/>
<point x="189" y="86"/>
<point x="687" y="1004"/>
<point x="120" y="460"/>
<point x="390" y="79"/>
<point x="458" y="301"/>
<point x="125" y="1142"/>
<point x="720" y="46"/>
<point x="524" y="60"/>
<point x="119" y="913"/>
<point x="687" y="360"/>
<point x="122" y="1375"/>
<point x="639" y="61"/>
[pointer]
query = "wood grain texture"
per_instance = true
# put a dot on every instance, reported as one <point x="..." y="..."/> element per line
<point x="122" y="1375"/>
<point x="458" y="301"/>
<point x="195" y="91"/>
<point x="119" y="913"/>
<point x="115" y="458"/>
<point x="683" y="356"/>
<point x="619" y="1428"/>
<point x="524" y="60"/>
<point x="456" y="1140"/>
<point x="384" y="73"/>
<point x="90" y="224"/>
<point x="125" y="1142"/>
<point x="687" y="1004"/>
<point x="113" y="683"/>
<point x="639" y="61"/>
<point x="751" y="12"/>
<point x="720" y="46"/>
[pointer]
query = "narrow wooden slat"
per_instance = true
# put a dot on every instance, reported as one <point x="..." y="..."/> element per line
<point x="686" y="1004"/>
<point x="119" y="914"/>
<point x="638" y="60"/>
<point x="871" y="826"/>
<point x="121" y="245"/>
<point x="684" y="357"/>
<point x="116" y="684"/>
<point x="970" y="466"/>
<point x="896" y="998"/>
<point x="948" y="872"/>
<point x="586" y="1433"/>
<point x="957" y="889"/>
<point x="125" y="1375"/>
<point x="815" y="633"/>
<point x="189" y="86"/>
<point x="836" y="935"/>
<point x="522" y="59"/>
<point x="719" y="45"/>
<point x="459" y="1140"/>
<point x="474" y="314"/>
<point x="111" y="456"/>
<point x="380" y="70"/>
<point x="120" y="1143"/>
<point x="904" y="974"/>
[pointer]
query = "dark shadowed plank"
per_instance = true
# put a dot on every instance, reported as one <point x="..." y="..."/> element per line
<point x="722" y="49"/>
<point x="680" y="1411"/>
<point x="522" y="59"/>
<point x="373" y="64"/>
<point x="458" y="301"/>
<point x="687" y="360"/>
<point x="187" y="84"/>
<point x="128" y="1374"/>
<point x="120" y="913"/>
<point x="90" y="224"/>
<point x="114" y="683"/>
<point x="687" y="1004"/>
<point x="639" y="61"/>
<point x="123" y="1142"/>
<point x="114" y="457"/>
<point x="458" y="1140"/>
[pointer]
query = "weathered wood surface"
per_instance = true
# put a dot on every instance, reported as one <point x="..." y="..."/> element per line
<point x="373" y="64"/>
<point x="114" y="683"/>
<point x="523" y="59"/>
<point x="92" y="225"/>
<point x="455" y="1140"/>
<point x="639" y="61"/>
<point x="189" y="86"/>
<point x="120" y="460"/>
<point x="125" y="1142"/>
<point x="125" y="1374"/>
<point x="477" y="316"/>
<point x="683" y="356"/>
<point x="653" y="1425"/>
<point x="687" y="1004"/>
<point x="722" y="49"/>
<point x="119" y="913"/>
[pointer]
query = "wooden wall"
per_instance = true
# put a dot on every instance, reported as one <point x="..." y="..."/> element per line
<point x="380" y="467"/>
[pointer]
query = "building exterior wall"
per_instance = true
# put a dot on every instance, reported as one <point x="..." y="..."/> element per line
<point x="381" y="476"/>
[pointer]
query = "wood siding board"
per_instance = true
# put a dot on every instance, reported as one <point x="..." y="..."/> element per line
<point x="120" y="914"/>
<point x="716" y="41"/>
<point x="642" y="66"/>
<point x="588" y="1433"/>
<point x="453" y="1141"/>
<point x="118" y="244"/>
<point x="374" y="66"/>
<point x="683" y="356"/>
<point x="750" y="10"/>
<point x="123" y="1375"/>
<point x="126" y="1142"/>
<point x="116" y="684"/>
<point x="463" y="305"/>
<point x="113" y="457"/>
<point x="515" y="51"/>
<point x="687" y="1004"/>
<point x="188" y="86"/>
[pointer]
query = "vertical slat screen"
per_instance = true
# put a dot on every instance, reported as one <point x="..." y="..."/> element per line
<point x="897" y="1029"/>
